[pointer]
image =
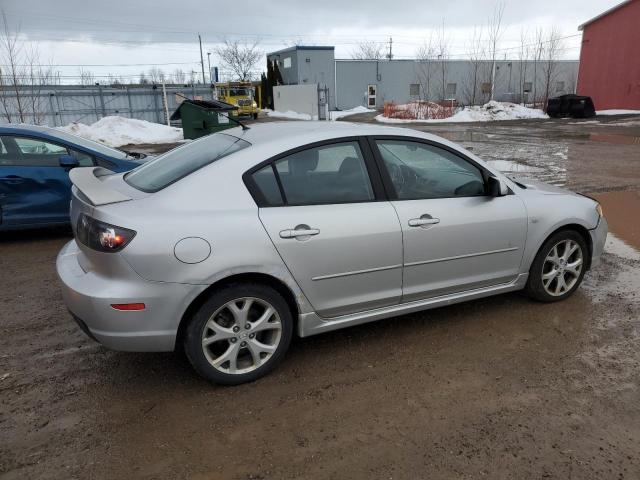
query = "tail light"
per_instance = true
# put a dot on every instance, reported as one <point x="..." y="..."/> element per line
<point x="102" y="236"/>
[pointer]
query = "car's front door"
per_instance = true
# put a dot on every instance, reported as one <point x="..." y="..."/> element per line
<point x="342" y="242"/>
<point x="34" y="188"/>
<point x="456" y="237"/>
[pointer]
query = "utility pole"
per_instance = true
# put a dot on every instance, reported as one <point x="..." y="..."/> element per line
<point x="390" y="55"/>
<point x="209" y="64"/>
<point x="204" y="80"/>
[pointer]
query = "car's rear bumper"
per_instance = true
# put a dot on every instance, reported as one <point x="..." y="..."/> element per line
<point x="598" y="239"/>
<point x="89" y="296"/>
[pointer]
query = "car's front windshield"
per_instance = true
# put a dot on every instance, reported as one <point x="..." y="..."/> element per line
<point x="88" y="144"/>
<point x="182" y="161"/>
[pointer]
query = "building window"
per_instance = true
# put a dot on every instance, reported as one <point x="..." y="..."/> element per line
<point x="414" y="89"/>
<point x="559" y="86"/>
<point x="451" y="89"/>
<point x="486" y="87"/>
<point x="527" y="87"/>
<point x="287" y="62"/>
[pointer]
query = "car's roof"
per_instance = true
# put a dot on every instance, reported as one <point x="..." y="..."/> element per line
<point x="265" y="132"/>
<point x="23" y="127"/>
<point x="291" y="134"/>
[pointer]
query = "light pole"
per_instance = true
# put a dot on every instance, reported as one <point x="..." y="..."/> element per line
<point x="209" y="63"/>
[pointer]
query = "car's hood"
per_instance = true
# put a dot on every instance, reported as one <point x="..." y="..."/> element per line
<point x="544" y="188"/>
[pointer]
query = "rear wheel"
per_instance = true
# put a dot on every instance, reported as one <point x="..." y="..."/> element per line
<point x="239" y="334"/>
<point x="559" y="267"/>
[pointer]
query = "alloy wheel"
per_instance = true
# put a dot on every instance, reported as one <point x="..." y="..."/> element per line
<point x="562" y="267"/>
<point x="242" y="335"/>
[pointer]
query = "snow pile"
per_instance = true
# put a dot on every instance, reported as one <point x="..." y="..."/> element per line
<point x="618" y="112"/>
<point x="418" y="110"/>
<point x="333" y="114"/>
<point x="289" y="114"/>
<point x="116" y="131"/>
<point x="336" y="114"/>
<point x="488" y="112"/>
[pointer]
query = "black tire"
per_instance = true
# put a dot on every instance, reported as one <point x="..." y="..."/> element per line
<point x="255" y="116"/>
<point x="193" y="338"/>
<point x="535" y="288"/>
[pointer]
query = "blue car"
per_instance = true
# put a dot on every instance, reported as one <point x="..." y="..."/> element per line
<point x="35" y="190"/>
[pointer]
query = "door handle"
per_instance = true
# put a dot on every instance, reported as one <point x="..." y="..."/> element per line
<point x="299" y="231"/>
<point x="425" y="219"/>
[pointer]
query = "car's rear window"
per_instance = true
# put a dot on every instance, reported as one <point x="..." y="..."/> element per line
<point x="180" y="162"/>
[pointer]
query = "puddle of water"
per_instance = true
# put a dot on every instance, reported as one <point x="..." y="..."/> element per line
<point x="465" y="136"/>
<point x="622" y="211"/>
<point x="508" y="166"/>
<point x="621" y="249"/>
<point x="612" y="138"/>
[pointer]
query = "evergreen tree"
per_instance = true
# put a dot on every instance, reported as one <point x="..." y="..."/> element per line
<point x="264" y="87"/>
<point x="268" y="92"/>
<point x="276" y="74"/>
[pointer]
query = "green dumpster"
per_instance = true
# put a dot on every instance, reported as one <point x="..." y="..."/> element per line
<point x="202" y="117"/>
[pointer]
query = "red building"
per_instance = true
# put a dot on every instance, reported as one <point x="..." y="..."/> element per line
<point x="610" y="58"/>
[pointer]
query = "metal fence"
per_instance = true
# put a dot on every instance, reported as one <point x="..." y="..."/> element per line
<point x="63" y="104"/>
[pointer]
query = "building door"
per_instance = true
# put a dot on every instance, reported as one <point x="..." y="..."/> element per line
<point x="371" y="95"/>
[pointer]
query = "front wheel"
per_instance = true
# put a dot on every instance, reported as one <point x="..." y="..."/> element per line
<point x="239" y="334"/>
<point x="558" y="268"/>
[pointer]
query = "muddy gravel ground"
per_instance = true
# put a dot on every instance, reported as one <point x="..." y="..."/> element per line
<point x="500" y="388"/>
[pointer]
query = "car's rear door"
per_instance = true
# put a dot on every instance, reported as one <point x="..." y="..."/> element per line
<point x="323" y="207"/>
<point x="456" y="237"/>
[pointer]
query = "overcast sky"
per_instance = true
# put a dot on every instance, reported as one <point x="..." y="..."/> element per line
<point x="110" y="36"/>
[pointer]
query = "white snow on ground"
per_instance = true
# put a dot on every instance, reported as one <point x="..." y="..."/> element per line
<point x="617" y="112"/>
<point x="333" y="115"/>
<point x="116" y="131"/>
<point x="486" y="113"/>
<point x="290" y="114"/>
<point x="336" y="114"/>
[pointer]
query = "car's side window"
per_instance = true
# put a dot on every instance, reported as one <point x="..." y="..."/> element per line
<point x="37" y="153"/>
<point x="421" y="171"/>
<point x="266" y="181"/>
<point x="334" y="173"/>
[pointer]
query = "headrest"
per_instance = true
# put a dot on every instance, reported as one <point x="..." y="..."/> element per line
<point x="350" y="165"/>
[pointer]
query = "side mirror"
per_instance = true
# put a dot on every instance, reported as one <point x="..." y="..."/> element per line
<point x="68" y="161"/>
<point x="496" y="187"/>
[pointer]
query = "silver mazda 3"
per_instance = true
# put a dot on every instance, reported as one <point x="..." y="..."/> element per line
<point x="229" y="245"/>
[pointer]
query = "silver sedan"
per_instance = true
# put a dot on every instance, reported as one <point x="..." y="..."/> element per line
<point x="229" y="245"/>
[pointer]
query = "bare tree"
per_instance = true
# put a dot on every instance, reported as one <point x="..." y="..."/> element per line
<point x="240" y="58"/>
<point x="442" y="50"/>
<point x="156" y="75"/>
<point x="477" y="55"/>
<point x="21" y="77"/>
<point x="179" y="76"/>
<point x="367" y="50"/>
<point x="494" y="31"/>
<point x="550" y="65"/>
<point x="538" y="53"/>
<point x="193" y="77"/>
<point x="86" y="77"/>
<point x="426" y="69"/>
<point x="524" y="52"/>
<point x="36" y="75"/>
<point x="143" y="80"/>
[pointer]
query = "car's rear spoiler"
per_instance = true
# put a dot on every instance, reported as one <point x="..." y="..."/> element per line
<point x="87" y="180"/>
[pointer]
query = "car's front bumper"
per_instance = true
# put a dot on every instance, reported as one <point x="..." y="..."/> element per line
<point x="89" y="296"/>
<point x="598" y="239"/>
